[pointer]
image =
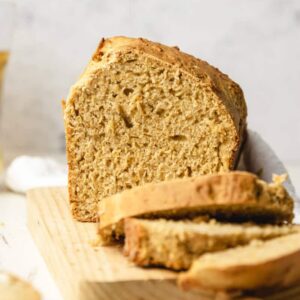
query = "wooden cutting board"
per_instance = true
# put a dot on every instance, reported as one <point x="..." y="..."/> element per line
<point x="85" y="272"/>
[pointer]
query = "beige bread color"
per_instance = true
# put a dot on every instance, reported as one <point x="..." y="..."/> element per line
<point x="233" y="196"/>
<point x="144" y="112"/>
<point x="176" y="244"/>
<point x="260" y="265"/>
<point x="14" y="288"/>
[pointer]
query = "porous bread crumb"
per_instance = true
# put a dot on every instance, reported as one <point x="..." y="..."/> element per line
<point x="176" y="244"/>
<point x="260" y="265"/>
<point x="143" y="112"/>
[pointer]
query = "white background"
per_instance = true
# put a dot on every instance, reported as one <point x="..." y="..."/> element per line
<point x="256" y="42"/>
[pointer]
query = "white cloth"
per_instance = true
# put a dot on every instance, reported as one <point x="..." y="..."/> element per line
<point x="26" y="172"/>
<point x="258" y="156"/>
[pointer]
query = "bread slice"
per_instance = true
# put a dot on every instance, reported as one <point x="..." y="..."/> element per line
<point x="260" y="265"/>
<point x="238" y="196"/>
<point x="176" y="244"/>
<point x="144" y="112"/>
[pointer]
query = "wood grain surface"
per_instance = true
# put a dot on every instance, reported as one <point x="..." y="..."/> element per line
<point x="85" y="272"/>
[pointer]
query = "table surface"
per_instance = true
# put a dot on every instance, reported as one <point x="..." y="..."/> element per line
<point x="18" y="253"/>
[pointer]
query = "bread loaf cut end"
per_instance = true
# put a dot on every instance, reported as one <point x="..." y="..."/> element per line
<point x="144" y="112"/>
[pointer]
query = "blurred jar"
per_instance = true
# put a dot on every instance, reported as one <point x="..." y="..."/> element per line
<point x="7" y="19"/>
<point x="3" y="60"/>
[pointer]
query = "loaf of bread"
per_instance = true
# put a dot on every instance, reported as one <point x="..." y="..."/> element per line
<point x="234" y="196"/>
<point x="144" y="112"/>
<point x="176" y="244"/>
<point x="268" y="264"/>
<point x="14" y="288"/>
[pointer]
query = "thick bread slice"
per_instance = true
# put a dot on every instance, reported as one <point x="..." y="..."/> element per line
<point x="144" y="112"/>
<point x="176" y="244"/>
<point x="273" y="263"/>
<point x="232" y="196"/>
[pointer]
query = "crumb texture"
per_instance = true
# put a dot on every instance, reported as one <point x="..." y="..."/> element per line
<point x="143" y="112"/>
<point x="176" y="244"/>
<point x="273" y="263"/>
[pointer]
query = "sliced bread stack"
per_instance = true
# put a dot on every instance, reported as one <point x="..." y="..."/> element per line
<point x="152" y="134"/>
<point x="181" y="223"/>
<point x="234" y="196"/>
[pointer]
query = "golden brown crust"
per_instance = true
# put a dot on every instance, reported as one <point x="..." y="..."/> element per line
<point x="72" y="178"/>
<point x="231" y="193"/>
<point x="133" y="244"/>
<point x="279" y="271"/>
